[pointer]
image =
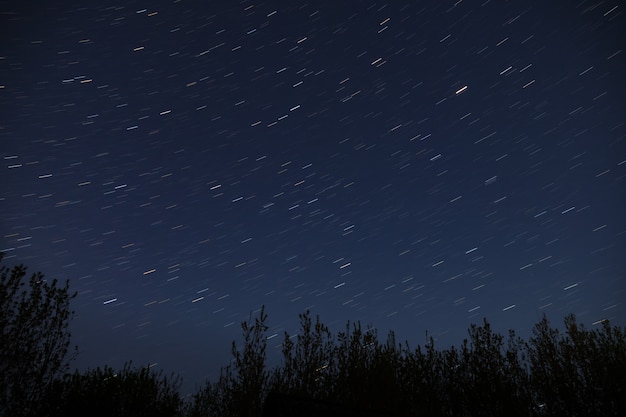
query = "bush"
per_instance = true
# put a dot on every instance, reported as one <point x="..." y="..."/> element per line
<point x="577" y="373"/>
<point x="106" y="392"/>
<point x="34" y="339"/>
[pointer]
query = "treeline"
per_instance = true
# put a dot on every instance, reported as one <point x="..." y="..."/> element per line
<point x="577" y="372"/>
<point x="573" y="372"/>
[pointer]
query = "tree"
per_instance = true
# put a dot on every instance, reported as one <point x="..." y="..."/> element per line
<point x="34" y="338"/>
<point x="250" y="366"/>
<point x="308" y="361"/>
<point x="242" y="385"/>
<point x="354" y="361"/>
<point x="489" y="376"/>
<point x="578" y="372"/>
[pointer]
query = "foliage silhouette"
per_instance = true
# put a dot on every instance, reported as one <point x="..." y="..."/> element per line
<point x="34" y="338"/>
<point x="578" y="372"/>
<point x="106" y="392"/>
<point x="242" y="385"/>
<point x="574" y="372"/>
<point x="307" y="362"/>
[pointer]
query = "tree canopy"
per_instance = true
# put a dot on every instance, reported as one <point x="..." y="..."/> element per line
<point x="34" y="338"/>
<point x="574" y="371"/>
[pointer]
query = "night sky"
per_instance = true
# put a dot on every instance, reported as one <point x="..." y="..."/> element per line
<point x="413" y="165"/>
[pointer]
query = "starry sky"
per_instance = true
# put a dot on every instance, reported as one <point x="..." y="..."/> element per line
<point x="413" y="165"/>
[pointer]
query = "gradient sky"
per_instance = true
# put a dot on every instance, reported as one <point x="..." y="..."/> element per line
<point x="413" y="165"/>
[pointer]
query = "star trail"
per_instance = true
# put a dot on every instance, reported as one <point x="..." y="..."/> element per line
<point x="416" y="166"/>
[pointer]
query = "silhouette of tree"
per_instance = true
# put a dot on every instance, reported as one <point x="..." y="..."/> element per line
<point x="487" y="375"/>
<point x="242" y="385"/>
<point x="384" y="386"/>
<point x="307" y="362"/>
<point x="578" y="372"/>
<point x="421" y="379"/>
<point x="574" y="372"/>
<point x="34" y="338"/>
<point x="353" y="354"/>
<point x="249" y="366"/>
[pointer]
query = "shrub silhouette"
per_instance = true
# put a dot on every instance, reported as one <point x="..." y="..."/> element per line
<point x="574" y="372"/>
<point x="106" y="392"/>
<point x="307" y="362"/>
<point x="577" y="372"/>
<point x="242" y="385"/>
<point x="34" y="338"/>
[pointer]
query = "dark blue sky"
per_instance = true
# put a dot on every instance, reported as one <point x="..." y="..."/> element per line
<point x="416" y="166"/>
